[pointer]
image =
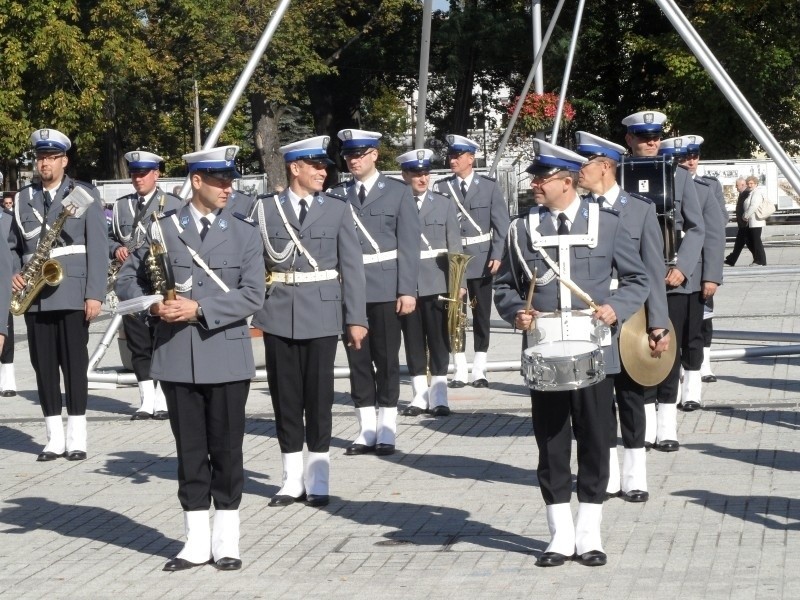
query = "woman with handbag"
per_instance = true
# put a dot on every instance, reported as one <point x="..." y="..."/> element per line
<point x="751" y="214"/>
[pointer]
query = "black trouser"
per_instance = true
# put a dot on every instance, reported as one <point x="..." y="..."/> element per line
<point x="742" y="239"/>
<point x="708" y="325"/>
<point x="379" y="385"/>
<point x="630" y="406"/>
<point x="686" y="314"/>
<point x="425" y="337"/>
<point x="60" y="339"/>
<point x="480" y="294"/>
<point x="759" y="255"/>
<point x="300" y="377"/>
<point x="556" y="416"/>
<point x="139" y="338"/>
<point x="7" y="355"/>
<point x="207" y="421"/>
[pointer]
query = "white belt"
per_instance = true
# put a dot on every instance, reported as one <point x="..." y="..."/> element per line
<point x="60" y="251"/>
<point x="295" y="277"/>
<point x="423" y="254"/>
<point x="468" y="241"/>
<point x="379" y="257"/>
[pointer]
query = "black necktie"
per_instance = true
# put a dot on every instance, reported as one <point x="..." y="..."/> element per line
<point x="206" y="225"/>
<point x="601" y="200"/>
<point x="419" y="203"/>
<point x="464" y="190"/>
<point x="362" y="194"/>
<point x="563" y="228"/>
<point x="303" y="210"/>
<point x="48" y="200"/>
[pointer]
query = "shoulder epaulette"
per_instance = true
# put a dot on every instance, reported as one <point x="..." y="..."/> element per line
<point x="709" y="177"/>
<point x="487" y="177"/>
<point x="88" y="186"/>
<point x="169" y="213"/>
<point x="639" y="197"/>
<point x="267" y="195"/>
<point x="244" y="219"/>
<point x="611" y="211"/>
<point x="701" y="182"/>
<point x="341" y="184"/>
<point x="440" y="193"/>
<point x="331" y="194"/>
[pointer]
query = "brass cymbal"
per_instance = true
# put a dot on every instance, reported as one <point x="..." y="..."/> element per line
<point x="634" y="352"/>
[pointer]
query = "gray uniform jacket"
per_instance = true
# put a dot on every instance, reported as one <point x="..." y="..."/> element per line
<point x="688" y="225"/>
<point x="217" y="348"/>
<point x="312" y="309"/>
<point x="125" y="212"/>
<point x="711" y="259"/>
<point x="85" y="273"/>
<point x="591" y="269"/>
<point x="389" y="215"/>
<point x="7" y="267"/>
<point x="638" y="215"/>
<point x="716" y="191"/>
<point x="438" y="223"/>
<point x="239" y="202"/>
<point x="489" y="210"/>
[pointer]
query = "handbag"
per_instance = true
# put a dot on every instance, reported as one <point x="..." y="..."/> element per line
<point x="765" y="209"/>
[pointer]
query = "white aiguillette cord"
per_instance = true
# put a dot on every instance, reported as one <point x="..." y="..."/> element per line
<point x="573" y="287"/>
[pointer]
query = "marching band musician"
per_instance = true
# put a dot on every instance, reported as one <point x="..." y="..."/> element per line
<point x="388" y="231"/>
<point x="425" y="330"/>
<point x="202" y="352"/>
<point x="483" y="213"/>
<point x="643" y="137"/>
<point x="58" y="318"/>
<point x="638" y="215"/>
<point x="589" y="244"/>
<point x="315" y="267"/>
<point x="129" y="222"/>
<point x="707" y="275"/>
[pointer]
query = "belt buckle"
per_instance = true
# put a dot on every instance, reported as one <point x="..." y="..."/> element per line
<point x="290" y="278"/>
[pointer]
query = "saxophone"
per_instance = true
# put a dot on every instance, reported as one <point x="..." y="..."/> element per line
<point x="456" y="310"/>
<point x="41" y="270"/>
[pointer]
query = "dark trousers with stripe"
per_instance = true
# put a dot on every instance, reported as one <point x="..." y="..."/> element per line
<point x="425" y="337"/>
<point x="300" y="378"/>
<point x="139" y="337"/>
<point x="378" y="385"/>
<point x="59" y="340"/>
<point x="208" y="421"/>
<point x="586" y="413"/>
<point x="629" y="407"/>
<point x="7" y="355"/>
<point x="686" y="314"/>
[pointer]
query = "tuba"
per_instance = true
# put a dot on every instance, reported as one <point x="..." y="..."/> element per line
<point x="456" y="310"/>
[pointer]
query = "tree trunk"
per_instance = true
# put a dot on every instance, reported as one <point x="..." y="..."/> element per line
<point x="265" y="133"/>
<point x="462" y="108"/>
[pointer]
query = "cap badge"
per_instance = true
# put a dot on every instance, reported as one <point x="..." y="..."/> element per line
<point x="420" y="155"/>
<point x="348" y="135"/>
<point x="536" y="147"/>
<point x="649" y="118"/>
<point x="135" y="156"/>
<point x="451" y="140"/>
<point x="230" y="154"/>
<point x="325" y="141"/>
<point x="44" y="134"/>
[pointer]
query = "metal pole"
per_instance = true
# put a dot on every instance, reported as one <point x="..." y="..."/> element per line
<point x="567" y="70"/>
<point x="513" y="119"/>
<point x="424" y="58"/>
<point x="536" y="22"/>
<point x="241" y="84"/>
<point x="731" y="92"/>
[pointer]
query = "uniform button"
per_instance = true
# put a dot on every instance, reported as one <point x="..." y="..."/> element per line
<point x="216" y="322"/>
<point x="200" y="283"/>
<point x="224" y="262"/>
<point x="301" y="236"/>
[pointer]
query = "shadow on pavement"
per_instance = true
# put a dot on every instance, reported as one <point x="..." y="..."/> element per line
<point x="771" y="512"/>
<point x="16" y="441"/>
<point x="783" y="460"/>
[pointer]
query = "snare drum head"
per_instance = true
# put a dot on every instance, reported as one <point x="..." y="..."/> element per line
<point x="564" y="348"/>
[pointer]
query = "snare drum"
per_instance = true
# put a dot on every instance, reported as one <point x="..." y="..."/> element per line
<point x="562" y="366"/>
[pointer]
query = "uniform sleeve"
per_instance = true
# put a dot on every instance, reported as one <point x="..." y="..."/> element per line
<point x="507" y="298"/>
<point x="132" y="279"/>
<point x="96" y="250"/>
<point x="691" y="244"/>
<point x="500" y="222"/>
<point x="633" y="287"/>
<point x="113" y="240"/>
<point x="6" y="271"/>
<point x="652" y="253"/>
<point x="453" y="234"/>
<point x="408" y="235"/>
<point x="714" y="241"/>
<point x="351" y="269"/>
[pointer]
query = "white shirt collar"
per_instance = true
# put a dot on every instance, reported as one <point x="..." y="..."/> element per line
<point x="611" y="195"/>
<point x="467" y="180"/>
<point x="368" y="182"/>
<point x="196" y="215"/>
<point x="295" y="200"/>
<point x="571" y="211"/>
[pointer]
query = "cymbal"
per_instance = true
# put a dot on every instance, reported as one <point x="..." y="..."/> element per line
<point x="634" y="352"/>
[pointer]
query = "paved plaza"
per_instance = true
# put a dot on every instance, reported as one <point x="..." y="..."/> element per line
<point x="456" y="513"/>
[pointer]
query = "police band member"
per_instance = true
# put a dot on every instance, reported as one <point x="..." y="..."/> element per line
<point x="643" y="137"/>
<point x="483" y="213"/>
<point x="638" y="215"/>
<point x="589" y="245"/>
<point x="58" y="319"/>
<point x="130" y="219"/>
<point x="314" y="263"/>
<point x="388" y="232"/>
<point x="708" y="272"/>
<point x="8" y="379"/>
<point x="425" y="330"/>
<point x="691" y="160"/>
<point x="202" y="353"/>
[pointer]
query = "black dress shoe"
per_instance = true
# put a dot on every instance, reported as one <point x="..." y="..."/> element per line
<point x="480" y="383"/>
<point x="180" y="564"/>
<point x="317" y="500"/>
<point x="610" y="495"/>
<point x="227" y="564"/>
<point x="708" y="378"/>
<point x="690" y="406"/>
<point x="440" y="411"/>
<point x="384" y="449"/>
<point x="141" y="416"/>
<point x="593" y="558"/>
<point x="286" y="500"/>
<point x="729" y="262"/>
<point x="455" y="383"/>
<point x="636" y="496"/>
<point x="161" y="415"/>
<point x="358" y="449"/>
<point x="648" y="446"/>
<point x="9" y="393"/>
<point x="412" y="411"/>
<point x="551" y="559"/>
<point x="75" y="455"/>
<point x="667" y="446"/>
<point x="48" y="456"/>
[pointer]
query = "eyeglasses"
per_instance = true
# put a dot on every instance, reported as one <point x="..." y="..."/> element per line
<point x="357" y="153"/>
<point x="540" y="180"/>
<point x="48" y="158"/>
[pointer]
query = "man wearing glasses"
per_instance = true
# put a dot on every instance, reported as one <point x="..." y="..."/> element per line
<point x="131" y="218"/>
<point x="483" y="213"/>
<point x="202" y="352"/>
<point x="58" y="318"/>
<point x="388" y="232"/>
<point x="315" y="270"/>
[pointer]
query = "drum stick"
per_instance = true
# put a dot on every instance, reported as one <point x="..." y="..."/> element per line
<point x="579" y="293"/>
<point x="529" y="298"/>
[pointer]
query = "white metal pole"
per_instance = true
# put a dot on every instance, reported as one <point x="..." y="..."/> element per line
<point x="424" y="58"/>
<point x="536" y="22"/>
<point x="567" y="70"/>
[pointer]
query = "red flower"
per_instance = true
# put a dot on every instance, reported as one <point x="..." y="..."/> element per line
<point x="538" y="112"/>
